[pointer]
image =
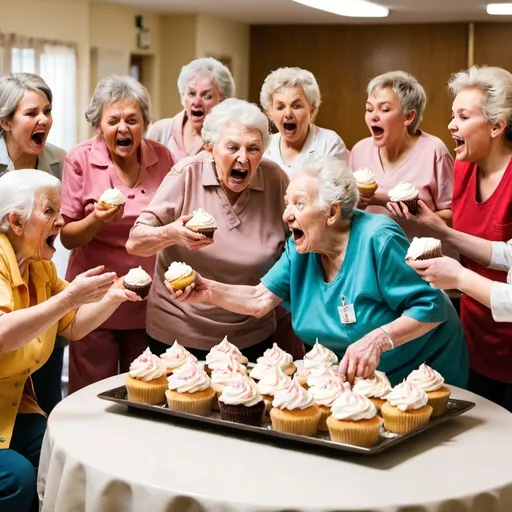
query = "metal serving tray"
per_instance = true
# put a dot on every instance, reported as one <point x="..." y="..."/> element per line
<point x="387" y="439"/>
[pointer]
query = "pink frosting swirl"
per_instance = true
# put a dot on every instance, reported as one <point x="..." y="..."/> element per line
<point x="407" y="397"/>
<point x="319" y="355"/>
<point x="274" y="356"/>
<point x="274" y="381"/>
<point x="176" y="356"/>
<point x="353" y="406"/>
<point x="188" y="379"/>
<point x="241" y="390"/>
<point x="293" y="397"/>
<point x="426" y="378"/>
<point x="376" y="387"/>
<point x="226" y="370"/>
<point x="327" y="390"/>
<point x="223" y="348"/>
<point x="318" y="374"/>
<point x="147" y="367"/>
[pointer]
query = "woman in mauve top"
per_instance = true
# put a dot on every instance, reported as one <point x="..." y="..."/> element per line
<point x="482" y="206"/>
<point x="117" y="157"/>
<point x="202" y="84"/>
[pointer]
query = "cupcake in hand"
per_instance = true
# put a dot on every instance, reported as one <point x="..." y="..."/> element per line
<point x="407" y="194"/>
<point x="146" y="381"/>
<point x="139" y="281"/>
<point x="111" y="198"/>
<point x="375" y="388"/>
<point x="179" y="275"/>
<point x="202" y="222"/>
<point x="175" y="357"/>
<point x="424" y="248"/>
<point x="366" y="183"/>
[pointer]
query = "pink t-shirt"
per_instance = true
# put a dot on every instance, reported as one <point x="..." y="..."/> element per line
<point x="428" y="166"/>
<point x="88" y="172"/>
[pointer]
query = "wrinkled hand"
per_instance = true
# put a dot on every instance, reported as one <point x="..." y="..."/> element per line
<point x="198" y="291"/>
<point x="185" y="237"/>
<point x="106" y="216"/>
<point x="118" y="293"/>
<point x="443" y="273"/>
<point x="378" y="199"/>
<point x="90" y="286"/>
<point x="432" y="224"/>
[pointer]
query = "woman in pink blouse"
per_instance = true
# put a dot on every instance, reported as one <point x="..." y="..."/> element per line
<point x="117" y="156"/>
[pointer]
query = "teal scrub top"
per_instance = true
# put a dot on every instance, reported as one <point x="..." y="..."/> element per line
<point x="381" y="287"/>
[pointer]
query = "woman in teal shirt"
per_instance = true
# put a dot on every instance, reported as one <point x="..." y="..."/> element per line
<point x="344" y="278"/>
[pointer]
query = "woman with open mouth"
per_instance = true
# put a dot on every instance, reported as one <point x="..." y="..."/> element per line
<point x="245" y="195"/>
<point x="202" y="84"/>
<point x="118" y="157"/>
<point x="291" y="99"/>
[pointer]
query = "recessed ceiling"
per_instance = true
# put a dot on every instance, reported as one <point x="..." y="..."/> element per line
<point x="289" y="12"/>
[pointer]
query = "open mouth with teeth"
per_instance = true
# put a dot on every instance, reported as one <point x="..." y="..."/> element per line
<point x="50" y="241"/>
<point x="297" y="234"/>
<point x="459" y="142"/>
<point x="238" y="175"/>
<point x="124" y="143"/>
<point x="377" y="131"/>
<point x="38" y="138"/>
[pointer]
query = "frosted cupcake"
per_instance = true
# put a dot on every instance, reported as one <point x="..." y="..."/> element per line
<point x="365" y="182"/>
<point x="223" y="372"/>
<point x="431" y="381"/>
<point x="111" y="198"/>
<point x="241" y="402"/>
<point x="146" y="381"/>
<point x="354" y="420"/>
<point x="406" y="408"/>
<point x="325" y="392"/>
<point x="139" y="281"/>
<point x="190" y="390"/>
<point x="424" y="249"/>
<point x="202" y="222"/>
<point x="319" y="355"/>
<point x="375" y="388"/>
<point x="179" y="275"/>
<point x="407" y="194"/>
<point x="320" y="373"/>
<point x="275" y="380"/>
<point x="274" y="356"/>
<point x="175" y="357"/>
<point x="294" y="411"/>
<point x="220" y="351"/>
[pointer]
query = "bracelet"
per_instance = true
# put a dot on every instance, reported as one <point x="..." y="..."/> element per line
<point x="383" y="329"/>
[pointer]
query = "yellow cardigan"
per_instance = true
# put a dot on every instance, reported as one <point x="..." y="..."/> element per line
<point x="16" y="390"/>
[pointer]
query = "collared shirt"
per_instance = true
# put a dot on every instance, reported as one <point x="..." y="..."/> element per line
<point x="16" y="390"/>
<point x="249" y="239"/>
<point x="320" y="141"/>
<point x="501" y="293"/>
<point x="88" y="172"/>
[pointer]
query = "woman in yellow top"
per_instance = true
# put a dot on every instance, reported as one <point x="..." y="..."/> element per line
<point x="35" y="305"/>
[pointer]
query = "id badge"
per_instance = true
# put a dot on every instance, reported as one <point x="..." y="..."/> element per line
<point x="346" y="312"/>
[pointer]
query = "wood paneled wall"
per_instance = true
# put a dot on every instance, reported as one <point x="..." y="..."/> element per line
<point x="493" y="44"/>
<point x="345" y="57"/>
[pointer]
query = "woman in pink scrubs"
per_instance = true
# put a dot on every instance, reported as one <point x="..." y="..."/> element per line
<point x="118" y="156"/>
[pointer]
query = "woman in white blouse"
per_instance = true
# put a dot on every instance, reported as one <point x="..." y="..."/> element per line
<point x="291" y="99"/>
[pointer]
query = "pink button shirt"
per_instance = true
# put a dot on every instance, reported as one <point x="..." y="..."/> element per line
<point x="88" y="172"/>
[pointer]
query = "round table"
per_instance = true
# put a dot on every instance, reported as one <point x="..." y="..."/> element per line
<point x="99" y="457"/>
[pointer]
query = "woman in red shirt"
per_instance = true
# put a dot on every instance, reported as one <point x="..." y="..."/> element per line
<point x="481" y="126"/>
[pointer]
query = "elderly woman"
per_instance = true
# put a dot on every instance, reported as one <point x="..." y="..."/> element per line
<point x="25" y="122"/>
<point x="344" y="278"/>
<point x="202" y="84"/>
<point x="35" y="305"/>
<point x="399" y="151"/>
<point x="481" y="127"/>
<point x="119" y="157"/>
<point x="245" y="196"/>
<point x="291" y="99"/>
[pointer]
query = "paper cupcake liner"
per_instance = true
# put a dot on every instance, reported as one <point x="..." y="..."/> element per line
<point x="207" y="232"/>
<point x="400" y="422"/>
<point x="368" y="190"/>
<point x="433" y="253"/>
<point x="359" y="433"/>
<point x="108" y="206"/>
<point x="141" y="291"/>
<point x="438" y="400"/>
<point x="378" y="402"/>
<point x="303" y="422"/>
<point x="194" y="403"/>
<point x="412" y="205"/>
<point x="326" y="412"/>
<point x="241" y="414"/>
<point x="182" y="282"/>
<point x="152" y="392"/>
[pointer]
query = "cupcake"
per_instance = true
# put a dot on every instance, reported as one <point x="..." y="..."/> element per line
<point x="190" y="390"/>
<point x="175" y="357"/>
<point x="431" y="381"/>
<point x="224" y="371"/>
<point x="294" y="411"/>
<point x="325" y="392"/>
<point x="274" y="356"/>
<point x="139" y="281"/>
<point x="354" y="420"/>
<point x="318" y="375"/>
<point x="319" y="355"/>
<point x="366" y="183"/>
<point x="146" y="381"/>
<point x="375" y="388"/>
<point x="179" y="275"/>
<point x="219" y="351"/>
<point x="407" y="194"/>
<point x="241" y="402"/>
<point x="111" y="198"/>
<point x="424" y="249"/>
<point x="275" y="380"/>
<point x="202" y="222"/>
<point x="405" y="409"/>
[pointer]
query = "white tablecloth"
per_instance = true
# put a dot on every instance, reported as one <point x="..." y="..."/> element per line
<point x="98" y="457"/>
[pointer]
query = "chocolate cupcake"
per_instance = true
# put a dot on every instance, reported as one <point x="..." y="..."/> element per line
<point x="407" y="194"/>
<point x="139" y="281"/>
<point x="202" y="222"/>
<point x="424" y="249"/>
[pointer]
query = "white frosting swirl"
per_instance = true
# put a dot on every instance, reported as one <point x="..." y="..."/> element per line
<point x="293" y="397"/>
<point x="137" y="277"/>
<point x="147" y="367"/>
<point x="327" y="391"/>
<point x="420" y="246"/>
<point x="376" y="387"/>
<point x="112" y="196"/>
<point x="426" y="378"/>
<point x="218" y="352"/>
<point x="319" y="374"/>
<point x="319" y="355"/>
<point x="176" y="356"/>
<point x="176" y="270"/>
<point x="364" y="176"/>
<point x="274" y="381"/>
<point x="229" y="369"/>
<point x="188" y="379"/>
<point x="201" y="219"/>
<point x="227" y="363"/>
<point x="274" y="356"/>
<point x="353" y="406"/>
<point x="403" y="192"/>
<point x="407" y="397"/>
<point x="241" y="390"/>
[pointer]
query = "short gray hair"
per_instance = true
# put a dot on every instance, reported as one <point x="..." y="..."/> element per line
<point x="18" y="192"/>
<point x="496" y="86"/>
<point x="290" y="77"/>
<point x="336" y="182"/>
<point x="116" y="88"/>
<point x="210" y="68"/>
<point x="12" y="89"/>
<point x="235" y="111"/>
<point x="408" y="90"/>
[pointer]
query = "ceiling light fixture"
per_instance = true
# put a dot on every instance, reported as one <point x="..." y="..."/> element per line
<point x="499" y="9"/>
<point x="351" y="8"/>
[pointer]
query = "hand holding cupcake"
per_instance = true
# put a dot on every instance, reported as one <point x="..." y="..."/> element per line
<point x="138" y="281"/>
<point x="111" y="198"/>
<point x="366" y="183"/>
<point x="203" y="223"/>
<point x="424" y="248"/>
<point x="407" y="194"/>
<point x="179" y="275"/>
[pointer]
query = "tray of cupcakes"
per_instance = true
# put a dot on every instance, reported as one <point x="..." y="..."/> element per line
<point x="303" y="401"/>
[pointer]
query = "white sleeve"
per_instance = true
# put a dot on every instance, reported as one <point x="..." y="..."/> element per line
<point x="501" y="302"/>
<point x="501" y="255"/>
